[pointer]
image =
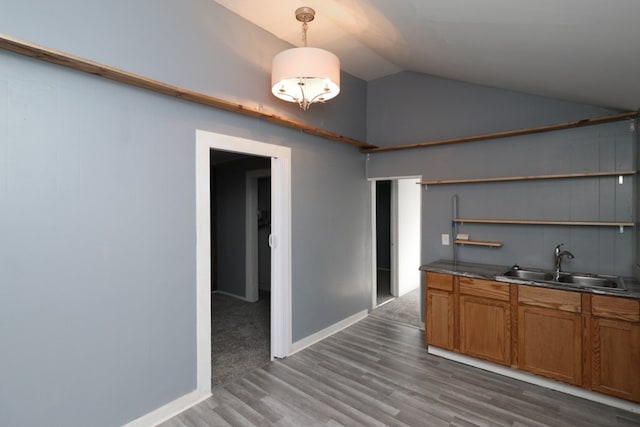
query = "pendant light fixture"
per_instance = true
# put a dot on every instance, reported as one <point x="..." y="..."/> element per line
<point x="305" y="75"/>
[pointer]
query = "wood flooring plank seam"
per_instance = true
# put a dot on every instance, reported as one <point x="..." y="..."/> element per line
<point x="378" y="373"/>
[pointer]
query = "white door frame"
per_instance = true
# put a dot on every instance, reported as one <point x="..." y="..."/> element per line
<point x="374" y="245"/>
<point x="393" y="241"/>
<point x="280" y="248"/>
<point x="251" y="232"/>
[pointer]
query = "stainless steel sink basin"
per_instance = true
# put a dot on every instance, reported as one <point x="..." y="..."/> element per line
<point x="592" y="281"/>
<point x="529" y="274"/>
<point x="582" y="280"/>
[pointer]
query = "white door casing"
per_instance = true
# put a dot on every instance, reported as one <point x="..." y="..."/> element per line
<point x="280" y="251"/>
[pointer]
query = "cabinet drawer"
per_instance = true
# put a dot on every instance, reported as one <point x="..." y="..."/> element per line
<point x="440" y="281"/>
<point x="484" y="288"/>
<point x="615" y="308"/>
<point x="550" y="298"/>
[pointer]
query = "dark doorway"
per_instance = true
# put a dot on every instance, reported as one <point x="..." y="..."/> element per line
<point x="383" y="241"/>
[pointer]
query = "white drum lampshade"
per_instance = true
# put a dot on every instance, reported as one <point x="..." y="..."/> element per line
<point x="305" y="75"/>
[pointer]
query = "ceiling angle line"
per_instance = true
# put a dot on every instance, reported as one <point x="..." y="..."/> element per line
<point x="518" y="132"/>
<point x="77" y="63"/>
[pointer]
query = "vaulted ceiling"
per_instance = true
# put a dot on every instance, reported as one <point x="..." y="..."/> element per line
<point x="579" y="50"/>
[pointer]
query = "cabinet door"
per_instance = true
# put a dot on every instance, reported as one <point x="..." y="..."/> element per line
<point x="550" y="343"/>
<point x="485" y="329"/>
<point x="615" y="362"/>
<point x="440" y="318"/>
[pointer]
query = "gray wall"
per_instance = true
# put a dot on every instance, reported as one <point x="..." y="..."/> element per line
<point x="332" y="248"/>
<point x="97" y="203"/>
<point x="605" y="147"/>
<point x="408" y="107"/>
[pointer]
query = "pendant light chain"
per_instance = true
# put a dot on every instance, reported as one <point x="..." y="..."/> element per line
<point x="305" y="26"/>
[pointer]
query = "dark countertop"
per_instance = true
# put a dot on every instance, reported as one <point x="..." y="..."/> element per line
<point x="494" y="272"/>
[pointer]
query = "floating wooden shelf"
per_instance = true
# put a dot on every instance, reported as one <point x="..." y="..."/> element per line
<point x="526" y="178"/>
<point x="479" y="243"/>
<point x="544" y="222"/>
<point x="511" y="133"/>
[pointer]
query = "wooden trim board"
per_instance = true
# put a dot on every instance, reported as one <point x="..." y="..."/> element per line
<point x="53" y="56"/>
<point x="87" y="66"/>
<point x="544" y="222"/>
<point x="509" y="133"/>
<point x="479" y="243"/>
<point x="525" y="178"/>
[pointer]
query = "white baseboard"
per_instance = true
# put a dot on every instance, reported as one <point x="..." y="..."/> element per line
<point x="232" y="295"/>
<point x="534" y="379"/>
<point x="170" y="410"/>
<point x="326" y="332"/>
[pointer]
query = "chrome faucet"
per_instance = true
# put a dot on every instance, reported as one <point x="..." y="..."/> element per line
<point x="559" y="254"/>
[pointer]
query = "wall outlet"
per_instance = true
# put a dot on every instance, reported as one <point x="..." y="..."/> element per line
<point x="445" y="239"/>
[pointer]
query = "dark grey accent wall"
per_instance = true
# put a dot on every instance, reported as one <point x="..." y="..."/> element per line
<point x="597" y="148"/>
<point x="231" y="199"/>
<point x="97" y="203"/>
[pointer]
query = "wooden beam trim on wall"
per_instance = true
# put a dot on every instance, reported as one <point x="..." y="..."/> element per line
<point x="517" y="132"/>
<point x="81" y="64"/>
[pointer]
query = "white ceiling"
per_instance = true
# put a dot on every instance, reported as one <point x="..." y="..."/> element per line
<point x="580" y="50"/>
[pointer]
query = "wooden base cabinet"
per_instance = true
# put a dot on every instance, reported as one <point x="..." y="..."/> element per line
<point x="587" y="340"/>
<point x="440" y="311"/>
<point x="550" y="333"/>
<point x="485" y="320"/>
<point x="550" y="343"/>
<point x="615" y="347"/>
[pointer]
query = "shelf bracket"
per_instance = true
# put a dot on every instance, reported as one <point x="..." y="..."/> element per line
<point x="622" y="229"/>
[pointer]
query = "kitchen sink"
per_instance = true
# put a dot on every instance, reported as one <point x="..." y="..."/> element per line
<point x="521" y="273"/>
<point x="592" y="281"/>
<point x="581" y="280"/>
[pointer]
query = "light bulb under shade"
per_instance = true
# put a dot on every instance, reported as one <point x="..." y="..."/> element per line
<point x="305" y="75"/>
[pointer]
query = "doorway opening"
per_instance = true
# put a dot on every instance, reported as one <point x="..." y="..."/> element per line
<point x="396" y="220"/>
<point x="383" y="242"/>
<point x="280" y="243"/>
<point x="240" y="313"/>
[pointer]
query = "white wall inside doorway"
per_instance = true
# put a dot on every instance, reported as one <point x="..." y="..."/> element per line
<point x="407" y="241"/>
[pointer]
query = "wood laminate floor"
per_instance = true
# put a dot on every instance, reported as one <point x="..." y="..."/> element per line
<point x="378" y="373"/>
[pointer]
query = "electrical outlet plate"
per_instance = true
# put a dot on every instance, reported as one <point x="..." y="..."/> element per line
<point x="445" y="239"/>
